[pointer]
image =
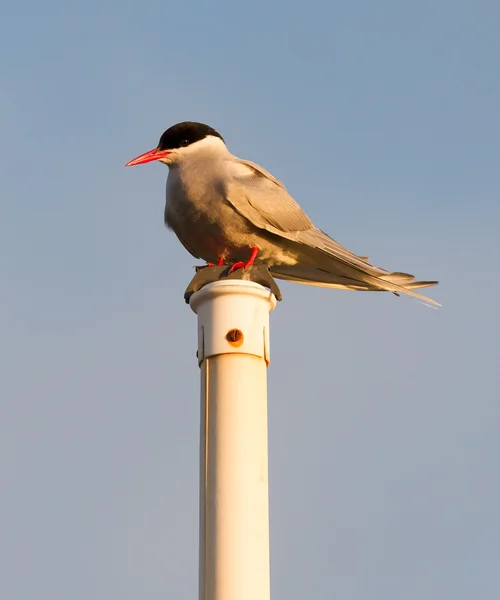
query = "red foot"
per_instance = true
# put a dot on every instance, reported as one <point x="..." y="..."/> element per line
<point x="219" y="264"/>
<point x="242" y="265"/>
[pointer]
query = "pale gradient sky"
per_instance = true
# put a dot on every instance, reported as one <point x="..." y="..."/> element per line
<point x="382" y="120"/>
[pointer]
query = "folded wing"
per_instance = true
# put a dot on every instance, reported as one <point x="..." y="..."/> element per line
<point x="265" y="202"/>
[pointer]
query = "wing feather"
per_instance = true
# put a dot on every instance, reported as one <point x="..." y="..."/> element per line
<point x="264" y="201"/>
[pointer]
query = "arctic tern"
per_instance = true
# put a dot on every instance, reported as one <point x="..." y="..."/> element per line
<point x="226" y="210"/>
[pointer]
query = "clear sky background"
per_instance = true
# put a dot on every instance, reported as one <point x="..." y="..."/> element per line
<point x="382" y="118"/>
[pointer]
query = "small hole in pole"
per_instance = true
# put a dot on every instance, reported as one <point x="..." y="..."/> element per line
<point x="235" y="337"/>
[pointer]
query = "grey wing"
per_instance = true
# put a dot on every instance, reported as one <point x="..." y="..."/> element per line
<point x="263" y="199"/>
<point x="265" y="202"/>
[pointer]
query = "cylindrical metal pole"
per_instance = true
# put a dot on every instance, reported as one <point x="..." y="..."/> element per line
<point x="233" y="353"/>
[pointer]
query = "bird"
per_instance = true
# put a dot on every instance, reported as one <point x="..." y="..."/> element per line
<point x="227" y="210"/>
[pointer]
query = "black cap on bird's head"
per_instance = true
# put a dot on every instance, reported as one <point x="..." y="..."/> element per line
<point x="175" y="137"/>
<point x="186" y="133"/>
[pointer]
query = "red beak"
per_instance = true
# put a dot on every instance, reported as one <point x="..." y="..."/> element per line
<point x="148" y="157"/>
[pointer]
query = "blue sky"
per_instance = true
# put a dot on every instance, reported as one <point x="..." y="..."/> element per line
<point x="382" y="120"/>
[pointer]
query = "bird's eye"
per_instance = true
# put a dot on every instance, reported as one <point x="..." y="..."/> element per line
<point x="185" y="143"/>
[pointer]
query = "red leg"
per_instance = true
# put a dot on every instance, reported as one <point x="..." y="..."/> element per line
<point x="242" y="265"/>
<point x="219" y="264"/>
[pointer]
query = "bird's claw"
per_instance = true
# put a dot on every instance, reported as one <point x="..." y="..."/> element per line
<point x="238" y="265"/>
<point x="242" y="265"/>
<point x="219" y="264"/>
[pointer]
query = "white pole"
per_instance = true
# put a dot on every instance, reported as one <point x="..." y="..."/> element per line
<point x="233" y="353"/>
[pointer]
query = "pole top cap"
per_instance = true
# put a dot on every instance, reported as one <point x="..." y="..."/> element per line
<point x="206" y="275"/>
<point x="235" y="287"/>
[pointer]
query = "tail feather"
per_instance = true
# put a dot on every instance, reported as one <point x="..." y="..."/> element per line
<point x="394" y="282"/>
<point x="320" y="252"/>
